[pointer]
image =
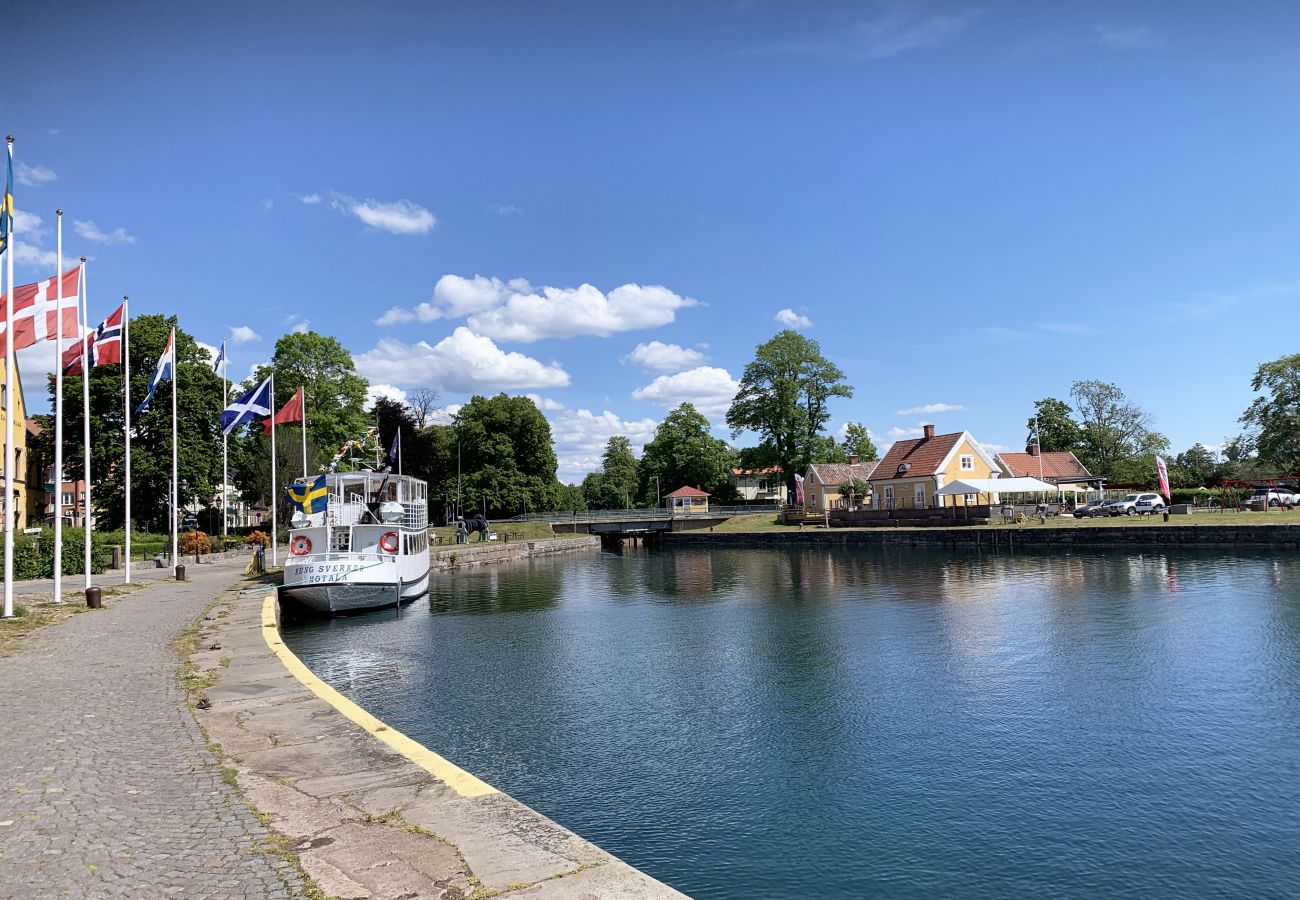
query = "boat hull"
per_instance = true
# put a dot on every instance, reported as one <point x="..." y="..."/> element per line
<point x="343" y="597"/>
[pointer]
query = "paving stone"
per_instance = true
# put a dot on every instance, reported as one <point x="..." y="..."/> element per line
<point x="111" y="790"/>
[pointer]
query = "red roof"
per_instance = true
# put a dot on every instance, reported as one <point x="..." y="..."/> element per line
<point x="923" y="456"/>
<point x="1056" y="465"/>
<point x="742" y="473"/>
<point x="687" y="492"/>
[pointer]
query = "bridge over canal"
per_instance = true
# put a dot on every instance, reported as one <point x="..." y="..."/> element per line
<point x="616" y="525"/>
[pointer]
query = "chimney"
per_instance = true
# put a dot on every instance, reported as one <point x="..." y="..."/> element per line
<point x="927" y="431"/>
<point x="1032" y="449"/>
<point x="853" y="460"/>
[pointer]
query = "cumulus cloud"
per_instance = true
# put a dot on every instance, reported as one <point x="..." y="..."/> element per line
<point x="310" y="199"/>
<point x="581" y="435"/>
<point x="92" y="232"/>
<point x="376" y="391"/>
<point x="657" y="356"/>
<point x="929" y="409"/>
<point x="546" y="404"/>
<point x="708" y="388"/>
<point x="791" y="319"/>
<point x="395" y="217"/>
<point x="302" y="326"/>
<point x="33" y="176"/>
<point x="462" y="362"/>
<point x="210" y="350"/>
<point x="242" y="334"/>
<point x="898" y="434"/>
<point x="30" y="234"/>
<point x="28" y="254"/>
<point x="515" y="310"/>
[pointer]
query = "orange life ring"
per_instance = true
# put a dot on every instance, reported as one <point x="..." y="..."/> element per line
<point x="388" y="543"/>
<point x="300" y="546"/>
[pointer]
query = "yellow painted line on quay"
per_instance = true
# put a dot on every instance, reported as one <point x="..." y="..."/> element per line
<point x="449" y="773"/>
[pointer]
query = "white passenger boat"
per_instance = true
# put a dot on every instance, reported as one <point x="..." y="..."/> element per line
<point x="365" y="549"/>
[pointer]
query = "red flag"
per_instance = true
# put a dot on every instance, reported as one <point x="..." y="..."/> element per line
<point x="290" y="412"/>
<point x="72" y="356"/>
<point x="36" y="310"/>
<point x="103" y="345"/>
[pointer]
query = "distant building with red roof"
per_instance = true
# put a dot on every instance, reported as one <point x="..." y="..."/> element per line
<point x="687" y="500"/>
<point x="1061" y="468"/>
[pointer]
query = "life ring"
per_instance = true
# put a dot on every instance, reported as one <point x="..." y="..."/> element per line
<point x="388" y="543"/>
<point x="300" y="546"/>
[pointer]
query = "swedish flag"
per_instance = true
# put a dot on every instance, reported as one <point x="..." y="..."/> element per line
<point x="7" y="205"/>
<point x="311" y="496"/>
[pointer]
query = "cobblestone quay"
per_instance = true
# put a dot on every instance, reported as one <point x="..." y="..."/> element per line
<point x="108" y="788"/>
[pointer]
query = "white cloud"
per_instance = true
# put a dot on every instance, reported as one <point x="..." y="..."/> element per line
<point x="310" y="199"/>
<point x="1128" y="37"/>
<point x="708" y="388"/>
<point x="929" y="409"/>
<point x="581" y="435"/>
<point x="92" y="232"/>
<point x="375" y="391"/>
<point x="657" y="356"/>
<point x="546" y="404"/>
<point x="791" y="319"/>
<point x="898" y="434"/>
<point x="462" y="362"/>
<point x="267" y="203"/>
<point x="210" y="350"/>
<point x="517" y="311"/>
<point x="33" y="176"/>
<point x="901" y="31"/>
<point x="395" y="217"/>
<point x="302" y="326"/>
<point x="395" y="316"/>
<point x="242" y="334"/>
<point x="28" y="254"/>
<point x="506" y="209"/>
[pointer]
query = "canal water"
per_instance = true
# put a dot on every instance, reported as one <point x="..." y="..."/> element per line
<point x="890" y="723"/>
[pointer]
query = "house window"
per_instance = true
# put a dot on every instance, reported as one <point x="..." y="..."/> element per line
<point x="967" y="463"/>
<point x="889" y="496"/>
<point x="762" y="484"/>
<point x="970" y="499"/>
<point x="67" y="499"/>
<point x="920" y="495"/>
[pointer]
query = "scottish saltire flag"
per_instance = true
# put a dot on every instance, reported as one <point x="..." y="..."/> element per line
<point x="253" y="405"/>
<point x="166" y="368"/>
<point x="7" y="207"/>
<point x="309" y="496"/>
<point x="220" y="360"/>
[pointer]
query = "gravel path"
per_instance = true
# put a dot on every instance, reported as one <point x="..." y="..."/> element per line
<point x="107" y="787"/>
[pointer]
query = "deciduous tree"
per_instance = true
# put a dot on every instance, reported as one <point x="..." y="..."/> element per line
<point x="1273" y="419"/>
<point x="1117" y="440"/>
<point x="684" y="454"/>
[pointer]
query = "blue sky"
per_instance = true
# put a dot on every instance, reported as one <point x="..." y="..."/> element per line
<point x="969" y="206"/>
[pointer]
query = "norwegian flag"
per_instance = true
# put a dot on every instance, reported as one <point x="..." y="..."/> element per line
<point x="103" y="345"/>
<point x="36" y="308"/>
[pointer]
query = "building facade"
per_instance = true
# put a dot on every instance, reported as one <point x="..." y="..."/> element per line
<point x="15" y="419"/>
<point x="913" y="471"/>
<point x="759" y="485"/>
<point x="823" y="481"/>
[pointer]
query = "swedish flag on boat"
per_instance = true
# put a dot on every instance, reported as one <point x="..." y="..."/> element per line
<point x="310" y="496"/>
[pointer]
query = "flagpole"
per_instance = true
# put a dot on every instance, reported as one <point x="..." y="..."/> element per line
<point x="9" y="407"/>
<point x="58" y="412"/>
<point x="175" y="478"/>
<point x="225" y="459"/>
<point x="274" y="495"/>
<point x="399" y="448"/>
<point x="302" y="400"/>
<point x="88" y="519"/>
<point x="126" y="414"/>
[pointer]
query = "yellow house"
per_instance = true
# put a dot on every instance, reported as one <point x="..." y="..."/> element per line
<point x="913" y="471"/>
<point x="821" y="486"/>
<point x="687" y="501"/>
<point x="18" y="422"/>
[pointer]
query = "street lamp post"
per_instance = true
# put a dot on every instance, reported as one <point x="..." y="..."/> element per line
<point x="657" y="500"/>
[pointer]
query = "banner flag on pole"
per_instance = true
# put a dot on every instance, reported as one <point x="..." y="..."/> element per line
<point x="1163" y="472"/>
<point x="36" y="309"/>
<point x="290" y="412"/>
<point x="254" y="404"/>
<point x="103" y="345"/>
<point x="309" y="496"/>
<point x="798" y="488"/>
<point x="164" y="369"/>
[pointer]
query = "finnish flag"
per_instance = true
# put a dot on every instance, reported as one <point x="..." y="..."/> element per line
<point x="253" y="405"/>
<point x="163" y="370"/>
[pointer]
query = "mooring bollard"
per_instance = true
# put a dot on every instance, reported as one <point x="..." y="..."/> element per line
<point x="1166" y="515"/>
<point x="180" y="573"/>
<point x="94" y="598"/>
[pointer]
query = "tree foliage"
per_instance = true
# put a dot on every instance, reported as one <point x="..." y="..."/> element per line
<point x="1057" y="430"/>
<point x="858" y="442"/>
<point x="1116" y="437"/>
<point x="784" y="395"/>
<point x="1273" y="419"/>
<point x="684" y="454"/>
<point x="507" y="459"/>
<point x="615" y="485"/>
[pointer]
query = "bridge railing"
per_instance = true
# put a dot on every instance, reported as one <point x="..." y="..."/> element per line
<point x="624" y="515"/>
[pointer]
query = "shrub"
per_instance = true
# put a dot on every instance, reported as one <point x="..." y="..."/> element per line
<point x="34" y="553"/>
<point x="192" y="542"/>
<point x="257" y="539"/>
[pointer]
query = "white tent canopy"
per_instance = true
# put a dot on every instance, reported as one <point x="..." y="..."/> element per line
<point x="997" y="486"/>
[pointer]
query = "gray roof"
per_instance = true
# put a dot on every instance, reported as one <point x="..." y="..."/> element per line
<point x="831" y="474"/>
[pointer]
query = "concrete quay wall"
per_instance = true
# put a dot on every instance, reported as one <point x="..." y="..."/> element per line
<point x="459" y="556"/>
<point x="1141" y="537"/>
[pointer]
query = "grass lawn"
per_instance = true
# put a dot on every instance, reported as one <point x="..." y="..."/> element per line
<point x="767" y="522"/>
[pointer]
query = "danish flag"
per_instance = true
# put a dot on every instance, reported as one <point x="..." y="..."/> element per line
<point x="103" y="345"/>
<point x="36" y="307"/>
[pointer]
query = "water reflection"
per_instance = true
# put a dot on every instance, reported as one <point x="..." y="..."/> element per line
<point x="886" y="722"/>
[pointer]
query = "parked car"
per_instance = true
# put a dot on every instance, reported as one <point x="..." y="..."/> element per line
<point x="1128" y="505"/>
<point x="1275" y="497"/>
<point x="1092" y="509"/>
<point x="1149" y="505"/>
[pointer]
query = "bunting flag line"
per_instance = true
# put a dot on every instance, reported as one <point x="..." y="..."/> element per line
<point x="255" y="404"/>
<point x="309" y="497"/>
<point x="290" y="412"/>
<point x="36" y="308"/>
<point x="164" y="369"/>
